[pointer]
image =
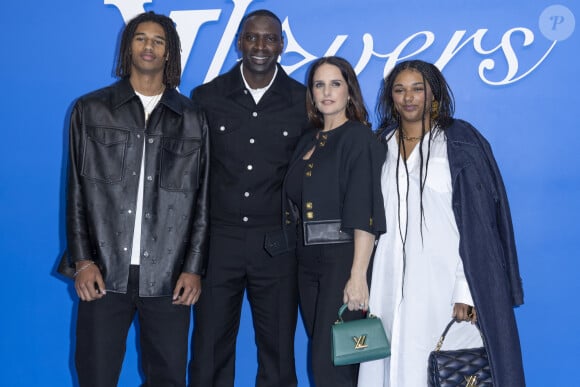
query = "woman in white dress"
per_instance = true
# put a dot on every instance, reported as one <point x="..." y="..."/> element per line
<point x="449" y="249"/>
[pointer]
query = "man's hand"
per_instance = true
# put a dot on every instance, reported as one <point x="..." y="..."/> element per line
<point x="89" y="282"/>
<point x="187" y="289"/>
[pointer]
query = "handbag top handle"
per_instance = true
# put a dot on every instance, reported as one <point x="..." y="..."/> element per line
<point x="343" y="308"/>
<point x="440" y="342"/>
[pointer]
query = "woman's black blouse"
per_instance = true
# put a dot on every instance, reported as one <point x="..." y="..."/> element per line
<point x="341" y="180"/>
<point x="294" y="180"/>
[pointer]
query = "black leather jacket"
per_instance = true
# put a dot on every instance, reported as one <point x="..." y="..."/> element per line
<point x="107" y="136"/>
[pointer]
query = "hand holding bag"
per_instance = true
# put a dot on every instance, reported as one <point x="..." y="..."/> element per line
<point x="358" y="341"/>
<point x="460" y="367"/>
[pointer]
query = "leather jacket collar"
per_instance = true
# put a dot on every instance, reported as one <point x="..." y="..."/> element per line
<point x="126" y="93"/>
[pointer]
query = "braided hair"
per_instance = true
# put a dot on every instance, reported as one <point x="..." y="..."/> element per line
<point x="442" y="117"/>
<point x="172" y="71"/>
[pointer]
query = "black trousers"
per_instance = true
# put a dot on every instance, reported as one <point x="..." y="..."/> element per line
<point x="322" y="274"/>
<point x="239" y="263"/>
<point x="101" y="335"/>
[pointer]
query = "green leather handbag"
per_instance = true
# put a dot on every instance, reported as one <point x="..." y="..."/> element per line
<point x="358" y="341"/>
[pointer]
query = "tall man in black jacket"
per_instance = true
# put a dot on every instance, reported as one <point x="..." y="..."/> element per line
<point x="256" y="114"/>
<point x="137" y="216"/>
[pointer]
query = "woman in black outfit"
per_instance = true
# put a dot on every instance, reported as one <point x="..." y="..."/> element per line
<point x="333" y="188"/>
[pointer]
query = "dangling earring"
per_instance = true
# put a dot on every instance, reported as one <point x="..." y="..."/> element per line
<point x="434" y="110"/>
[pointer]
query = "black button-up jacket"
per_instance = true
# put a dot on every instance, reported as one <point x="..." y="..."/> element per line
<point x="107" y="136"/>
<point x="251" y="145"/>
<point x="342" y="178"/>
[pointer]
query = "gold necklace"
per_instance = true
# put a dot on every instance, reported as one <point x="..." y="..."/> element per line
<point x="411" y="138"/>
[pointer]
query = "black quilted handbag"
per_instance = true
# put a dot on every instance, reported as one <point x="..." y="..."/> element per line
<point x="460" y="367"/>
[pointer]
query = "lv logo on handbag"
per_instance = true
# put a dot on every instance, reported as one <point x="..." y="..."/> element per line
<point x="360" y="342"/>
<point x="471" y="381"/>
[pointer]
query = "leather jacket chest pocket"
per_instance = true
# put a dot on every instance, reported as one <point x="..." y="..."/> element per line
<point x="104" y="154"/>
<point x="180" y="164"/>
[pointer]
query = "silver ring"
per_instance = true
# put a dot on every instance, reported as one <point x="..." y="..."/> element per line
<point x="361" y="305"/>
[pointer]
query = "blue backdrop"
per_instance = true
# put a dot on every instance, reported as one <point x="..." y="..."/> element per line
<point x="511" y="65"/>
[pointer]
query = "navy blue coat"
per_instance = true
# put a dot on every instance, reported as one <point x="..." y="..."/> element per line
<point x="487" y="248"/>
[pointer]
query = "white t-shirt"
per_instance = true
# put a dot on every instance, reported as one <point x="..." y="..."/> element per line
<point x="149" y="103"/>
